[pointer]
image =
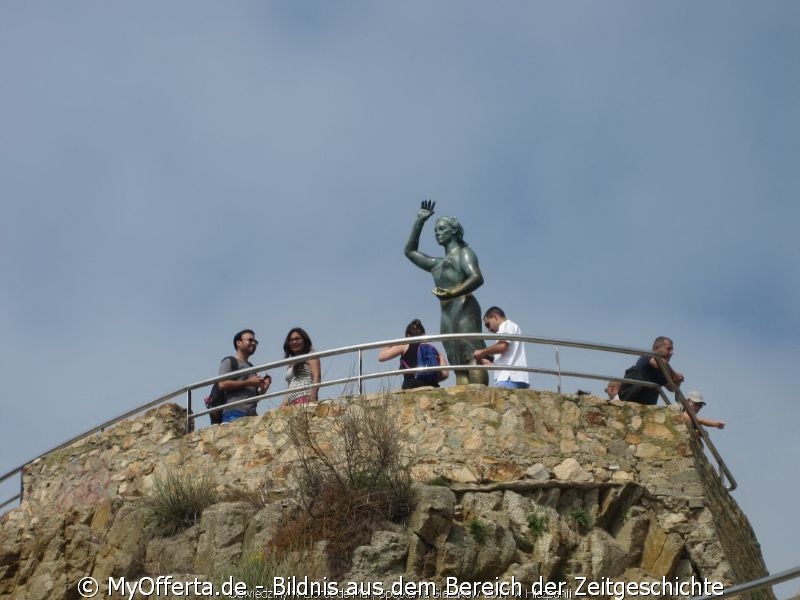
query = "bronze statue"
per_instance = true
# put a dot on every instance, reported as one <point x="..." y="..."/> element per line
<point x="456" y="276"/>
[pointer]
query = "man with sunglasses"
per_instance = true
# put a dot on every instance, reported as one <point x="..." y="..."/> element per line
<point x="510" y="353"/>
<point x="245" y="386"/>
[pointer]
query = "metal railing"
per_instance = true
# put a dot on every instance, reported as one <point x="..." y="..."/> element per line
<point x="755" y="584"/>
<point x="360" y="377"/>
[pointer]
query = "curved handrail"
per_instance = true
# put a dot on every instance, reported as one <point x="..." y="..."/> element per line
<point x="755" y="584"/>
<point x="360" y="377"/>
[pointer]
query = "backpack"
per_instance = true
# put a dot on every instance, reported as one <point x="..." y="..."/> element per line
<point x="217" y="397"/>
<point x="428" y="356"/>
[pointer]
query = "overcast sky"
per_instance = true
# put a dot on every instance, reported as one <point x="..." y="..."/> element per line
<point x="174" y="172"/>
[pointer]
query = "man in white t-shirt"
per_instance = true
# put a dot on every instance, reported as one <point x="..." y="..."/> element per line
<point x="509" y="353"/>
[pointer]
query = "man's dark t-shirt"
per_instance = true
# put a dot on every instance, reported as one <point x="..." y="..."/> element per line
<point x="643" y="371"/>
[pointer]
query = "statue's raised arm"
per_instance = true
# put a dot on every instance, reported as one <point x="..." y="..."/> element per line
<point x="422" y="260"/>
<point x="456" y="276"/>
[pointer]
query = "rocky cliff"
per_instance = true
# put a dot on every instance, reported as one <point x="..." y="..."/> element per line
<point x="511" y="486"/>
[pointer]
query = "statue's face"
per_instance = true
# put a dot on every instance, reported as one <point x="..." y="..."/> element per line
<point x="444" y="231"/>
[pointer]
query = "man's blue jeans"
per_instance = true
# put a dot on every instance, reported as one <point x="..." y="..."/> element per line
<point x="513" y="384"/>
<point x="232" y="416"/>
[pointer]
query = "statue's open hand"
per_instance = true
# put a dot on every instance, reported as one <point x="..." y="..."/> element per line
<point x="426" y="209"/>
<point x="442" y="293"/>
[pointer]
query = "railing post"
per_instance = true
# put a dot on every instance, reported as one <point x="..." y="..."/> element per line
<point x="360" y="372"/>
<point x="189" y="420"/>
<point x="558" y="367"/>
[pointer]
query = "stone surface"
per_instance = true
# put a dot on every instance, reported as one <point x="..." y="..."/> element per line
<point x="125" y="546"/>
<point x="432" y="519"/>
<point x="219" y="542"/>
<point x="571" y="470"/>
<point x="520" y="464"/>
<point x="383" y="558"/>
<point x="661" y="551"/>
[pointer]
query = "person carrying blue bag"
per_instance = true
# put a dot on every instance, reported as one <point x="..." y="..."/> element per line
<point x="417" y="355"/>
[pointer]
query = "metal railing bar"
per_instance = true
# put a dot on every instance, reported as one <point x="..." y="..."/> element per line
<point x="391" y="373"/>
<point x="14" y="472"/>
<point x="259" y="398"/>
<point x="409" y="340"/>
<point x="755" y="584"/>
<point x="675" y="388"/>
<point x="381" y="344"/>
<point x="708" y="443"/>
<point x="187" y="388"/>
<point x="9" y="501"/>
<point x="666" y="371"/>
<point x="334" y="352"/>
<point x="130" y="413"/>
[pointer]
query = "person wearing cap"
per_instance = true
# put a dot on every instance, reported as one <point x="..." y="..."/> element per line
<point x="696" y="402"/>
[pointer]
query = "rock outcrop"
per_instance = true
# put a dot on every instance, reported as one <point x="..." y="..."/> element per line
<point x="530" y="485"/>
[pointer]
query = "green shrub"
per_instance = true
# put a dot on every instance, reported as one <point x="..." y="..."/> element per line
<point x="259" y="569"/>
<point x="439" y="480"/>
<point x="581" y="519"/>
<point x="478" y="530"/>
<point x="347" y="484"/>
<point x="537" y="523"/>
<point x="178" y="499"/>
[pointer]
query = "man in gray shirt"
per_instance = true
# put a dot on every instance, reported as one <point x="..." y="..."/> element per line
<point x="247" y="386"/>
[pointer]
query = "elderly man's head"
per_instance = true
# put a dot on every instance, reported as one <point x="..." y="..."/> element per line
<point x="612" y="389"/>
<point x="663" y="346"/>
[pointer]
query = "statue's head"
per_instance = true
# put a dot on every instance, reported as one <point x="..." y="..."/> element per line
<point x="449" y="227"/>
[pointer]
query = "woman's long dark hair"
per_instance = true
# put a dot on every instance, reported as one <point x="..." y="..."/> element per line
<point x="307" y="347"/>
<point x="415" y="328"/>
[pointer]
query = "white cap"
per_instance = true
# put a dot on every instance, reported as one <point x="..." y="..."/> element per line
<point x="695" y="397"/>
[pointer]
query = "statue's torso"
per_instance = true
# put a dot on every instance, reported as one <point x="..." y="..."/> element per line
<point x="448" y="271"/>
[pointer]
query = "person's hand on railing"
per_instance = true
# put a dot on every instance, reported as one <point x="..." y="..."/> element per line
<point x="482" y="357"/>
